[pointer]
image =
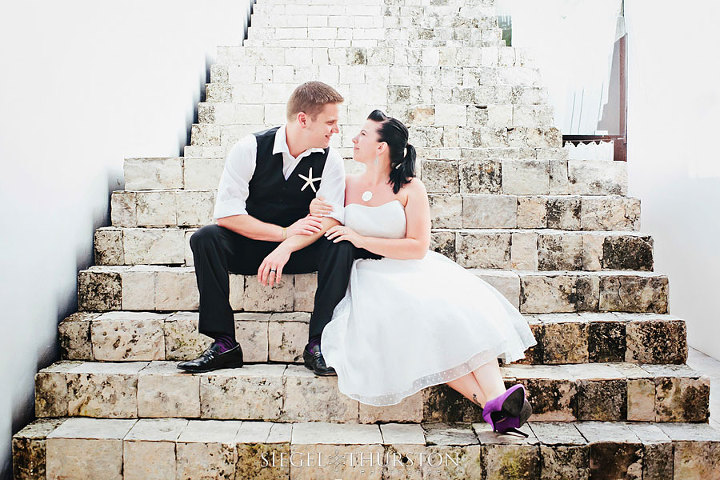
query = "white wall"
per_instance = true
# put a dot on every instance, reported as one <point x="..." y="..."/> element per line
<point x="673" y="160"/>
<point x="83" y="84"/>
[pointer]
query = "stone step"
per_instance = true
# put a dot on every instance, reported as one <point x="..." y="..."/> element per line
<point x="292" y="393"/>
<point x="378" y="85"/>
<point x="194" y="208"/>
<point x="433" y="115"/>
<point x="513" y="175"/>
<point x="169" y="288"/>
<point x="563" y="338"/>
<point x="262" y="17"/>
<point x="443" y="136"/>
<point x="274" y="36"/>
<point x="180" y="448"/>
<point x="231" y="59"/>
<point x="199" y="152"/>
<point x="544" y="249"/>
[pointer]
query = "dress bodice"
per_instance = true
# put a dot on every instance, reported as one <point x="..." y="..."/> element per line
<point x="384" y="221"/>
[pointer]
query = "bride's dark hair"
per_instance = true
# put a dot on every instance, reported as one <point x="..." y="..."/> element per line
<point x="402" y="154"/>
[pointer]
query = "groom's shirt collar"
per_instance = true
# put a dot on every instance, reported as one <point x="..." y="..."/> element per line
<point x="281" y="146"/>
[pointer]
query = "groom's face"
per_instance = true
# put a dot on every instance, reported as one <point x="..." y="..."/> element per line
<point x="321" y="129"/>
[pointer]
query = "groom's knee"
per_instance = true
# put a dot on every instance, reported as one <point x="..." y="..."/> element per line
<point x="205" y="237"/>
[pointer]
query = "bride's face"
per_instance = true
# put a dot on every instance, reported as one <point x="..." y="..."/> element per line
<point x="365" y="144"/>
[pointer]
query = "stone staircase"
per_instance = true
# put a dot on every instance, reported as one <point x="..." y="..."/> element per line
<point x="559" y="238"/>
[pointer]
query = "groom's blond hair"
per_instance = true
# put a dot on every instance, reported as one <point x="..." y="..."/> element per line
<point x="311" y="98"/>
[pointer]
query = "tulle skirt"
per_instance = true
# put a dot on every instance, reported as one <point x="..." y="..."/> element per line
<point x="404" y="325"/>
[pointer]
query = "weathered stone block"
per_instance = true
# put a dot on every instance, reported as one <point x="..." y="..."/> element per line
<point x="195" y="208"/>
<point x="488" y="250"/>
<point x="304" y="292"/>
<point x="563" y="213"/>
<point x="165" y="391"/>
<point x="149" y="448"/>
<point x="632" y="293"/>
<point x="602" y="400"/>
<point x="156" y="208"/>
<point x="532" y="212"/>
<point x="104" y="390"/>
<point x="138" y="287"/>
<point x="153" y="246"/>
<point x="203" y="173"/>
<point x="440" y="176"/>
<point x="286" y="341"/>
<point x="489" y="211"/>
<point x="28" y="449"/>
<point x="109" y="247"/>
<point x="627" y="253"/>
<point x="560" y="251"/>
<point x="443" y="242"/>
<point x="558" y="293"/>
<point x="409" y="409"/>
<point x="446" y="211"/>
<point x="452" y="462"/>
<point x="525" y="177"/>
<point x="260" y="298"/>
<point x="597" y="177"/>
<point x="681" y="399"/>
<point x="177" y="289"/>
<point x="87" y="448"/>
<point x="309" y="398"/>
<point x="607" y="341"/>
<point x="118" y="336"/>
<point x="253" y="338"/>
<point x="182" y="339"/>
<point x="565" y="339"/>
<point x="207" y="449"/>
<point x="74" y="333"/>
<point x="657" y="341"/>
<point x="123" y="209"/>
<point x="153" y="173"/>
<point x="51" y="390"/>
<point x="610" y="213"/>
<point x="640" y="400"/>
<point x="481" y="177"/>
<point x="99" y="289"/>
<point x="256" y="391"/>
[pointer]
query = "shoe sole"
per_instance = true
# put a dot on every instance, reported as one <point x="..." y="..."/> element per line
<point x="307" y="365"/>
<point x="231" y="365"/>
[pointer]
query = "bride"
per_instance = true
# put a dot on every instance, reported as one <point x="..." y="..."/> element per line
<point x="414" y="318"/>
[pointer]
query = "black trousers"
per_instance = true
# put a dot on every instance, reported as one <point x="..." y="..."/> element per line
<point x="218" y="251"/>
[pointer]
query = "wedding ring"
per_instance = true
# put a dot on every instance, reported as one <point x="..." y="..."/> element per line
<point x="273" y="270"/>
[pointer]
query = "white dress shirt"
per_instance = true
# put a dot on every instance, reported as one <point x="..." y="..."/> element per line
<point x="240" y="166"/>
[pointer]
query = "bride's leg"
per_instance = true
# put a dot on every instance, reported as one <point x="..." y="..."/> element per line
<point x="468" y="387"/>
<point x="489" y="379"/>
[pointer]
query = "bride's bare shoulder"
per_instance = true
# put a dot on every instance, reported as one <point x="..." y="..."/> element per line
<point x="414" y="189"/>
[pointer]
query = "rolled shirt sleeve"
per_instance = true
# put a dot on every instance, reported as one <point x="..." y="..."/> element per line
<point x="332" y="186"/>
<point x="233" y="190"/>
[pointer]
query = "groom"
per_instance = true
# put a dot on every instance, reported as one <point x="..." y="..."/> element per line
<point x="264" y="227"/>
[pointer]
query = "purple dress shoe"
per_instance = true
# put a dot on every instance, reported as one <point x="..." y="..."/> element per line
<point x="509" y="411"/>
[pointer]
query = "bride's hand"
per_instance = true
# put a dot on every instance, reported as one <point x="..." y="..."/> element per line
<point x="339" y="233"/>
<point x="319" y="207"/>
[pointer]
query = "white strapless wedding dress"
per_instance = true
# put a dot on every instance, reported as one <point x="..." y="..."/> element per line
<point x="404" y="325"/>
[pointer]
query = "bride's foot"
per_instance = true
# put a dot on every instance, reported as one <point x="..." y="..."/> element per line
<point x="509" y="411"/>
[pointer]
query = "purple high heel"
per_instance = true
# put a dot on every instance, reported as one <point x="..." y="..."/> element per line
<point x="509" y="411"/>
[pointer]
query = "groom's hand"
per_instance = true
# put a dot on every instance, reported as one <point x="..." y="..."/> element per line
<point x="308" y="225"/>
<point x="270" y="271"/>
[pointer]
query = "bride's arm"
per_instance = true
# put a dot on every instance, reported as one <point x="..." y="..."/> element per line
<point x="417" y="237"/>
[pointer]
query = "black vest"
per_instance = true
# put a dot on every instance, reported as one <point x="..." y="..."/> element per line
<point x="273" y="199"/>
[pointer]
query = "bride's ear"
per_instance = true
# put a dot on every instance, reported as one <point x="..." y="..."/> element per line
<point x="382" y="148"/>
